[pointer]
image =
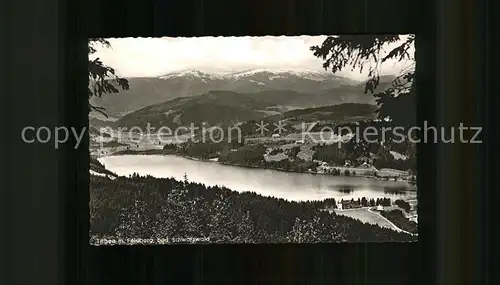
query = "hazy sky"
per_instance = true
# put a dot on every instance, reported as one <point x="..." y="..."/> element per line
<point x="143" y="57"/>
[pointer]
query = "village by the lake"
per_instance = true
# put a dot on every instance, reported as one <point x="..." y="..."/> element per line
<point x="256" y="154"/>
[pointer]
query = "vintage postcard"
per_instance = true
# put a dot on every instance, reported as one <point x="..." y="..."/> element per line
<point x="291" y="139"/>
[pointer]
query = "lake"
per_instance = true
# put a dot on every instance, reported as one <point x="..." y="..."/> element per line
<point x="286" y="185"/>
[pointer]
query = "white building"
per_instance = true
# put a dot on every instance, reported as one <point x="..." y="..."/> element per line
<point x="365" y="165"/>
<point x="380" y="208"/>
<point x="339" y="206"/>
<point x="275" y="136"/>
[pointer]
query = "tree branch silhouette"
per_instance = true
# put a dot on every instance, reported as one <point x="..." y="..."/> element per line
<point x="367" y="52"/>
<point x="102" y="78"/>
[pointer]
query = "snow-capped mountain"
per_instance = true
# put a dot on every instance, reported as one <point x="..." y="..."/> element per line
<point x="273" y="74"/>
<point x="147" y="91"/>
<point x="192" y="74"/>
<point x="268" y="74"/>
<point x="256" y="80"/>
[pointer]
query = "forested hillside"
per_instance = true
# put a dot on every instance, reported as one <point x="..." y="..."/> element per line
<point x="148" y="207"/>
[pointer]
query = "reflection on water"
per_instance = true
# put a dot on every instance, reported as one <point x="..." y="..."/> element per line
<point x="395" y="190"/>
<point x="286" y="185"/>
<point x="346" y="189"/>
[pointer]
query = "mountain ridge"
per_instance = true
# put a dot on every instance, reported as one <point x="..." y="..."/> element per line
<point x="250" y="72"/>
<point x="216" y="107"/>
<point x="153" y="90"/>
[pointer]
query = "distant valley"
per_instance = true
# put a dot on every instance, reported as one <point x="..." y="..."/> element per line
<point x="230" y="108"/>
<point x="279" y="87"/>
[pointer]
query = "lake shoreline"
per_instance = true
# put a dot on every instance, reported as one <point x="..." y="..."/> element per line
<point x="162" y="153"/>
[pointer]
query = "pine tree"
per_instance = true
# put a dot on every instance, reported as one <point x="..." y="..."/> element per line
<point x="123" y="220"/>
<point x="172" y="214"/>
<point x="316" y="230"/>
<point x="220" y="226"/>
<point x="165" y="222"/>
<point x="364" y="202"/>
<point x="102" y="78"/>
<point x="134" y="221"/>
<point x="245" y="229"/>
<point x="396" y="100"/>
<point x="296" y="233"/>
<point x="334" y="231"/>
<point x="192" y="217"/>
<point x="306" y="231"/>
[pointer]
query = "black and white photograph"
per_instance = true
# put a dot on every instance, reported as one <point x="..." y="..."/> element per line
<point x="250" y="140"/>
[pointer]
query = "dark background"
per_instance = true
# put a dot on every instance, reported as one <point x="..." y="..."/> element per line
<point x="45" y="206"/>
